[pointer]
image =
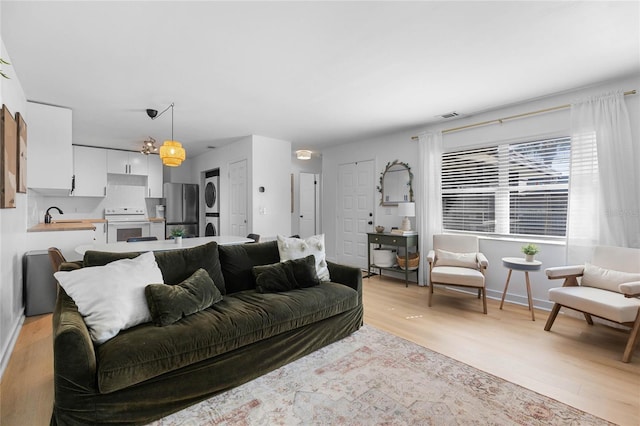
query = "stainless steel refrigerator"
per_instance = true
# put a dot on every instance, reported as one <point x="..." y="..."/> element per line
<point x="181" y="208"/>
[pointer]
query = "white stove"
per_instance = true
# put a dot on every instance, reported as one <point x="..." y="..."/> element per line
<point x="126" y="222"/>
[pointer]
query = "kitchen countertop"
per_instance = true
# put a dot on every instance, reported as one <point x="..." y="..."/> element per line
<point x="67" y="225"/>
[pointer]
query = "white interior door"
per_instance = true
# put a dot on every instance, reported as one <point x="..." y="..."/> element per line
<point x="355" y="212"/>
<point x="238" y="197"/>
<point x="309" y="204"/>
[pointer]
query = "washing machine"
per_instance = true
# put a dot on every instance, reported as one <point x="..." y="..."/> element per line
<point x="212" y="225"/>
<point x="211" y="191"/>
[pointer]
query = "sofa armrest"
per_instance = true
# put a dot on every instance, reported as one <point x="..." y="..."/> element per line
<point x="74" y="355"/>
<point x="560" y="272"/>
<point x="482" y="260"/>
<point x="347" y="275"/>
<point x="631" y="289"/>
<point x="431" y="256"/>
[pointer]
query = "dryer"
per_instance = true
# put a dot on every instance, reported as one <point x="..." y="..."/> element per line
<point x="211" y="191"/>
<point x="212" y="225"/>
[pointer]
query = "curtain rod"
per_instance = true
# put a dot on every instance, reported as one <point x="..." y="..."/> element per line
<point x="512" y="117"/>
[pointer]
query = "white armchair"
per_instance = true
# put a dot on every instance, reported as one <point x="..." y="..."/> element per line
<point x="607" y="288"/>
<point x="456" y="261"/>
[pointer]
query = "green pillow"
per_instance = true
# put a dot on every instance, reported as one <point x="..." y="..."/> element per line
<point x="170" y="303"/>
<point x="284" y="276"/>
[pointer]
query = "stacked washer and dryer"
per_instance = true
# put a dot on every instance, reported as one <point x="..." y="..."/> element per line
<point x="212" y="203"/>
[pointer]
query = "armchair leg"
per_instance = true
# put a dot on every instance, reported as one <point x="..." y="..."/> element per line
<point x="552" y="316"/>
<point x="484" y="299"/>
<point x="633" y="339"/>
<point x="588" y="318"/>
<point x="430" y="294"/>
<point x="479" y="293"/>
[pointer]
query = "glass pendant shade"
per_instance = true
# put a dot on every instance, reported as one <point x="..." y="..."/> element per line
<point x="172" y="153"/>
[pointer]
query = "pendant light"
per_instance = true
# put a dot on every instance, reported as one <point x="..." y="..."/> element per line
<point x="171" y="152"/>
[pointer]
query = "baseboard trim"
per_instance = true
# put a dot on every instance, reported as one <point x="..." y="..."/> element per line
<point x="8" y="350"/>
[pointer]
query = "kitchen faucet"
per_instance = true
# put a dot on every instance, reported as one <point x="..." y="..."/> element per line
<point x="47" y="216"/>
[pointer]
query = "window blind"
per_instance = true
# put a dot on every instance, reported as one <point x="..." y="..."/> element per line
<point x="508" y="189"/>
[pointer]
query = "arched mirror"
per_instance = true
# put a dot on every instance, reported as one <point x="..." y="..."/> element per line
<point x="396" y="184"/>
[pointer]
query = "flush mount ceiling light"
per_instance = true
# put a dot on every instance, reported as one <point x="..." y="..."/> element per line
<point x="303" y="154"/>
<point x="149" y="146"/>
<point x="171" y="152"/>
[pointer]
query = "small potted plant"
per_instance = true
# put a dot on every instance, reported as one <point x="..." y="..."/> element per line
<point x="177" y="234"/>
<point x="530" y="250"/>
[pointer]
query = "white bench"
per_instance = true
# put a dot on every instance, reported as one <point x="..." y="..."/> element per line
<point x="607" y="288"/>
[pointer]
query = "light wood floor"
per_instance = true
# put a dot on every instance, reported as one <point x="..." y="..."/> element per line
<point x="574" y="363"/>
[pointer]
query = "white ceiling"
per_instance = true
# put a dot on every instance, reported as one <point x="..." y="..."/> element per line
<point x="313" y="73"/>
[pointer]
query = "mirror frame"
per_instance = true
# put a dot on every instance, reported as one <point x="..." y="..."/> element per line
<point x="380" y="188"/>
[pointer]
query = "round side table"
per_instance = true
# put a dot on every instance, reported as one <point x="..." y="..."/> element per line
<point x="520" y="264"/>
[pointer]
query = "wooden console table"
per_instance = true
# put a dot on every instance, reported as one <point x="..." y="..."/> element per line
<point x="389" y="239"/>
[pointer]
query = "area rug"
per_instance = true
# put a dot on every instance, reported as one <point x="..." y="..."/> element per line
<point x="375" y="378"/>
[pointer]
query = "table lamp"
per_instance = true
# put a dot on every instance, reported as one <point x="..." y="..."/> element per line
<point x="407" y="210"/>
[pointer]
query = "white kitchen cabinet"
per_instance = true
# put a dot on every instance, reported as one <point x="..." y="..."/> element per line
<point x="89" y="172"/>
<point x="66" y="241"/>
<point x="49" y="150"/>
<point x="157" y="230"/>
<point x="126" y="162"/>
<point x="100" y="233"/>
<point x="154" y="181"/>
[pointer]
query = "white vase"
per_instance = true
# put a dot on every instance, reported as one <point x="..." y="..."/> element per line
<point x="529" y="257"/>
<point x="178" y="240"/>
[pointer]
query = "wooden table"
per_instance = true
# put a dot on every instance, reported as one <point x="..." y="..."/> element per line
<point x="520" y="264"/>
<point x="162" y="245"/>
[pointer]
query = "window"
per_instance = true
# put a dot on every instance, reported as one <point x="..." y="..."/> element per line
<point x="508" y="189"/>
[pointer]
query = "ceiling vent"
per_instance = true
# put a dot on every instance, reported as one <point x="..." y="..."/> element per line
<point x="452" y="114"/>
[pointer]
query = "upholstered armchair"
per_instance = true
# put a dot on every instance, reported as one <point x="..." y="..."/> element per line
<point x="607" y="288"/>
<point x="456" y="261"/>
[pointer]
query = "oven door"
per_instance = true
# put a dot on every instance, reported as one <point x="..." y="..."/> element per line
<point x="121" y="231"/>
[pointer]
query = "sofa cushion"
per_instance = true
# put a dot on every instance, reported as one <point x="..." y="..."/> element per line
<point x="288" y="275"/>
<point x="458" y="276"/>
<point x="607" y="279"/>
<point x="111" y="298"/>
<point x="176" y="265"/>
<point x="296" y="248"/>
<point x="237" y="260"/>
<point x="170" y="303"/>
<point x="240" y="319"/>
<point x="602" y="303"/>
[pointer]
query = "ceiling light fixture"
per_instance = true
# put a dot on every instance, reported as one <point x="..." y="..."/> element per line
<point x="303" y="154"/>
<point x="149" y="146"/>
<point x="171" y="152"/>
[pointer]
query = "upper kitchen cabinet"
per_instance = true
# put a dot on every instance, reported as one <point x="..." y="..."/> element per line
<point x="127" y="162"/>
<point x="49" y="151"/>
<point x="154" y="181"/>
<point x="90" y="172"/>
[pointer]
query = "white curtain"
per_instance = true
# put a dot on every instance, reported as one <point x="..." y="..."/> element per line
<point x="604" y="191"/>
<point x="428" y="196"/>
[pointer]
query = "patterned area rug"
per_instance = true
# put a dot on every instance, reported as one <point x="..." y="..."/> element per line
<point x="373" y="377"/>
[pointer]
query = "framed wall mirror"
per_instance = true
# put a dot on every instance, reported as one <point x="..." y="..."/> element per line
<point x="396" y="184"/>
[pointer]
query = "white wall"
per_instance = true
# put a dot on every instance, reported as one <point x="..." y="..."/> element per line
<point x="400" y="146"/>
<point x="271" y="209"/>
<point x="13" y="223"/>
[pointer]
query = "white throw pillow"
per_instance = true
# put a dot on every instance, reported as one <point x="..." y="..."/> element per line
<point x="111" y="298"/>
<point x="606" y="279"/>
<point x="296" y="248"/>
<point x="462" y="260"/>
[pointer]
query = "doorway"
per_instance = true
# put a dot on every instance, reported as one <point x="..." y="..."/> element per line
<point x="309" y="196"/>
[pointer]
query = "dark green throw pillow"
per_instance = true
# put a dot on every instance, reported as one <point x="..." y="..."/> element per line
<point x="284" y="276"/>
<point x="170" y="303"/>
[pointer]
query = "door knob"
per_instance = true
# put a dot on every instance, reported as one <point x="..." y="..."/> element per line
<point x="370" y="222"/>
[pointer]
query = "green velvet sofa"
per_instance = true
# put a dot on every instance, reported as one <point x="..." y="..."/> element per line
<point x="147" y="372"/>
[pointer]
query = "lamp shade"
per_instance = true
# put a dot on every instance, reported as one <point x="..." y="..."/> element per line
<point x="172" y="153"/>
<point x="407" y="209"/>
